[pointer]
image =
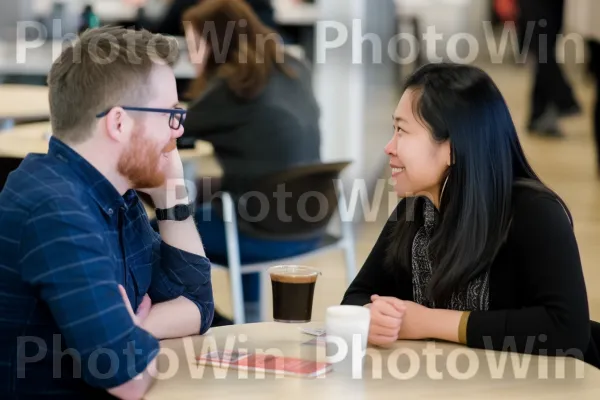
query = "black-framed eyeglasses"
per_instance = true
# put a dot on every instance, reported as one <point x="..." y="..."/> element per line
<point x="176" y="117"/>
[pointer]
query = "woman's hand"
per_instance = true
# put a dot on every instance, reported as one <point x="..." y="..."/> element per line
<point x="415" y="322"/>
<point x="393" y="319"/>
<point x="387" y="314"/>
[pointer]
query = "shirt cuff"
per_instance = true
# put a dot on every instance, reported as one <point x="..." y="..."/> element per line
<point x="357" y="300"/>
<point x="207" y="311"/>
<point x="462" y="327"/>
<point x="193" y="272"/>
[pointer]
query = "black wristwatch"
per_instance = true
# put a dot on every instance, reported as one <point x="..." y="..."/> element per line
<point x="180" y="212"/>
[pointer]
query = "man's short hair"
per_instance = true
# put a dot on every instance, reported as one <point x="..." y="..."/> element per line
<point x="103" y="68"/>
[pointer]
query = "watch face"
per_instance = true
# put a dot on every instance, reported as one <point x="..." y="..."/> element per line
<point x="182" y="211"/>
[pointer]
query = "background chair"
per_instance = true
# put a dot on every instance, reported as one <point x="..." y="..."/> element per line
<point x="7" y="165"/>
<point x="313" y="197"/>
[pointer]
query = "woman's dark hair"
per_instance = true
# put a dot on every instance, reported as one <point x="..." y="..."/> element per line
<point x="461" y="103"/>
<point x="243" y="51"/>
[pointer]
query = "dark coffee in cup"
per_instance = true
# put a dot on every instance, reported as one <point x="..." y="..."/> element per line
<point x="293" y="292"/>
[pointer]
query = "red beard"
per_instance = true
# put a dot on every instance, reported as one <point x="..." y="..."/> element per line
<point x="139" y="163"/>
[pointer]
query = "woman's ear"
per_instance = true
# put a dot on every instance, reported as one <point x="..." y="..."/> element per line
<point x="448" y="154"/>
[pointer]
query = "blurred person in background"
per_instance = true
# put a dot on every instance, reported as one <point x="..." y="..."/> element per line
<point x="583" y="17"/>
<point x="255" y="104"/>
<point x="171" y="24"/>
<point x="539" y="23"/>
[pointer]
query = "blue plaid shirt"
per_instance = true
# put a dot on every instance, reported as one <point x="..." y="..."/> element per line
<point x="67" y="239"/>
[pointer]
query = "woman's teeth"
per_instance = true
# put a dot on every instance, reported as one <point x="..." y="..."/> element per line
<point x="397" y="170"/>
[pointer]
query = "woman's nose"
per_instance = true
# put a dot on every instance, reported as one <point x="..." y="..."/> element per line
<point x="390" y="147"/>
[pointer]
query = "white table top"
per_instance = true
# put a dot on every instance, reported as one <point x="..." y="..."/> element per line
<point x="401" y="371"/>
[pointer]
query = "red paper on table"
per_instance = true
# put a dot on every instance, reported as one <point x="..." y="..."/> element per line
<point x="267" y="363"/>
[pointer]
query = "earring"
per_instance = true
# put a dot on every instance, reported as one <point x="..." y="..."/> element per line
<point x="444" y="187"/>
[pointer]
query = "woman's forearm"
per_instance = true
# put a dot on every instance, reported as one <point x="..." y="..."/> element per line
<point x="448" y="325"/>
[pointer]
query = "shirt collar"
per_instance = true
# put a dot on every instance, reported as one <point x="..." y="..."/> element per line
<point x="101" y="190"/>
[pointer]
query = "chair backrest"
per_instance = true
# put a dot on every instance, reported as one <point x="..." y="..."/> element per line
<point x="295" y="203"/>
<point x="7" y="165"/>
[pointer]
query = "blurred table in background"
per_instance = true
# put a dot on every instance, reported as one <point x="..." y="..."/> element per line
<point x="21" y="140"/>
<point x="23" y="103"/>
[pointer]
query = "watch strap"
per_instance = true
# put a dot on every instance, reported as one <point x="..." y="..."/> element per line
<point x="180" y="212"/>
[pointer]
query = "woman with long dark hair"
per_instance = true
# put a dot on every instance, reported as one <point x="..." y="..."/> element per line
<point x="254" y="102"/>
<point x="479" y="251"/>
<point x="171" y="24"/>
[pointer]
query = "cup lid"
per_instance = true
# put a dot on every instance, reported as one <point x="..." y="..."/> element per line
<point x="294" y="270"/>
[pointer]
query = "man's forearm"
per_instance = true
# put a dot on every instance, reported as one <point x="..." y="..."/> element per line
<point x="182" y="235"/>
<point x="179" y="234"/>
<point x="187" y="275"/>
<point x="173" y="319"/>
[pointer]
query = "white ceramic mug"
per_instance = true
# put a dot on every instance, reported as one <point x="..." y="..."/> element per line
<point x="347" y="331"/>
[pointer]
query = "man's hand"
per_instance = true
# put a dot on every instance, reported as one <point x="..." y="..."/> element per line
<point x="143" y="310"/>
<point x="173" y="190"/>
<point x="387" y="314"/>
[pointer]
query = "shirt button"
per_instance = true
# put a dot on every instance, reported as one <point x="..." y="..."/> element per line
<point x="110" y="211"/>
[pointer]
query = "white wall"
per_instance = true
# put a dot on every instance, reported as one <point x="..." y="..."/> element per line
<point x="340" y="85"/>
<point x="449" y="18"/>
<point x="12" y="11"/>
<point x="357" y="94"/>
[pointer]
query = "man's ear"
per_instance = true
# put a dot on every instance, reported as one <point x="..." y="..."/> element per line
<point x="118" y="124"/>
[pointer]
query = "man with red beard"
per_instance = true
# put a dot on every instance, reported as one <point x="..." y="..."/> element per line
<point x="87" y="288"/>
